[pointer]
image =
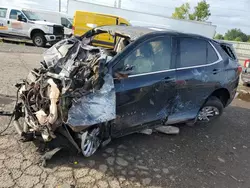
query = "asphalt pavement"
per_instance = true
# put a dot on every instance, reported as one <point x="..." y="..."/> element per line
<point x="211" y="155"/>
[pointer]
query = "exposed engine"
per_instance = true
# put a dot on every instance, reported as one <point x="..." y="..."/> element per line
<point x="71" y="82"/>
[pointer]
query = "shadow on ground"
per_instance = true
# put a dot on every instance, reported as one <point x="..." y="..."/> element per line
<point x="213" y="155"/>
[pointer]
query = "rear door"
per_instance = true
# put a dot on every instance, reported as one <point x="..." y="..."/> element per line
<point x="146" y="95"/>
<point x="194" y="80"/>
<point x="3" y="20"/>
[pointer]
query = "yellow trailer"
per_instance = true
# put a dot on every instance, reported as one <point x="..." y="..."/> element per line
<point x="84" y="21"/>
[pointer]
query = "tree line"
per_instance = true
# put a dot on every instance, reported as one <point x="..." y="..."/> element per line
<point x="202" y="13"/>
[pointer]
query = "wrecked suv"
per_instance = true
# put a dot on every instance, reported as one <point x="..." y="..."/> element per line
<point x="150" y="78"/>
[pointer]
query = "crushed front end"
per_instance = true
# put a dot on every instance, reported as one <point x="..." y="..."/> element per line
<point x="71" y="91"/>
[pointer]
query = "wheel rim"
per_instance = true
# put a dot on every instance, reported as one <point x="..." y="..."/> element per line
<point x="91" y="143"/>
<point x="38" y="41"/>
<point x="207" y="113"/>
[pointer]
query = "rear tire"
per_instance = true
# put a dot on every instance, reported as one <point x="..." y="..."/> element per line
<point x="39" y="40"/>
<point x="210" y="111"/>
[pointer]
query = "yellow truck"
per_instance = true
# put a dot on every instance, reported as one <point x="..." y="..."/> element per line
<point x="84" y="21"/>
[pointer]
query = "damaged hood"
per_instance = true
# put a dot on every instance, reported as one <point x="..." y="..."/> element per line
<point x="126" y="31"/>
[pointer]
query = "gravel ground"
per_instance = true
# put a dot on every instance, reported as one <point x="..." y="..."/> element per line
<point x="213" y="155"/>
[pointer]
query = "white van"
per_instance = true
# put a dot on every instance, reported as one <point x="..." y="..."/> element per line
<point x="56" y="17"/>
<point x="23" y="23"/>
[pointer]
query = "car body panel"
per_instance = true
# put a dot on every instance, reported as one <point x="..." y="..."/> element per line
<point x="190" y="87"/>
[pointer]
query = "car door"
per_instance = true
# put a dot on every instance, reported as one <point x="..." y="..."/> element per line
<point x="17" y="27"/>
<point x="193" y="80"/>
<point x="146" y="94"/>
<point x="3" y="21"/>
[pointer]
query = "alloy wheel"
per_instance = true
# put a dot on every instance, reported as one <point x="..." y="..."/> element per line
<point x="38" y="41"/>
<point x="207" y="113"/>
<point x="90" y="142"/>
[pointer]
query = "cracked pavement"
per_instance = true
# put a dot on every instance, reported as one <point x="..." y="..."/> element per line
<point x="213" y="155"/>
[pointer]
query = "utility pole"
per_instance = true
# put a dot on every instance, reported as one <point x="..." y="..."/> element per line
<point x="59" y="5"/>
<point x="119" y="3"/>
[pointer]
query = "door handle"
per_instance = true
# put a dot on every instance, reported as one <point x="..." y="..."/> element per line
<point x="8" y="22"/>
<point x="215" y="71"/>
<point x="168" y="79"/>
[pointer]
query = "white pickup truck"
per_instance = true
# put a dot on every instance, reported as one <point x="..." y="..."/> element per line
<point x="21" y="23"/>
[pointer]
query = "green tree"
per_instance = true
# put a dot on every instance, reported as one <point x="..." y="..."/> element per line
<point x="238" y="39"/>
<point x="201" y="12"/>
<point x="236" y="33"/>
<point x="219" y="36"/>
<point x="182" y="12"/>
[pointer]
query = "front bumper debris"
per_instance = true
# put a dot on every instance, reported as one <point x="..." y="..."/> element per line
<point x="72" y="90"/>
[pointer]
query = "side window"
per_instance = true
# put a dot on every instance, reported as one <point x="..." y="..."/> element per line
<point x="192" y="52"/>
<point x="3" y="12"/>
<point x="65" y="22"/>
<point x="211" y="54"/>
<point x="148" y="57"/>
<point x="14" y="13"/>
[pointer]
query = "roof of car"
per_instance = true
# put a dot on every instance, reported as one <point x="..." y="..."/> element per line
<point x="134" y="32"/>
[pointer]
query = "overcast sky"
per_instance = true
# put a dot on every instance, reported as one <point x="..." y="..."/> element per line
<point x="226" y="14"/>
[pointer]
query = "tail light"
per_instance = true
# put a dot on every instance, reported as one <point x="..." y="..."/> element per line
<point x="246" y="64"/>
<point x="239" y="70"/>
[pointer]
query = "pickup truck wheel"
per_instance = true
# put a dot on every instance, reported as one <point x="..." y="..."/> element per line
<point x="39" y="39"/>
<point x="211" y="110"/>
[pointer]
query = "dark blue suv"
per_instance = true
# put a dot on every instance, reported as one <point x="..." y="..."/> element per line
<point x="158" y="77"/>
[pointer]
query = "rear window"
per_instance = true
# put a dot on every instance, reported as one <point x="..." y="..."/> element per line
<point x="195" y="52"/>
<point x="229" y="51"/>
<point x="192" y="52"/>
<point x="3" y="12"/>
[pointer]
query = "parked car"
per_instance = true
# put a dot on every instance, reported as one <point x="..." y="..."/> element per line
<point x="25" y="24"/>
<point x="245" y="76"/>
<point x="151" y="78"/>
<point x="56" y="17"/>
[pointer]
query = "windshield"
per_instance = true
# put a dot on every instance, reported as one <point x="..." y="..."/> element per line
<point x="31" y="15"/>
<point x="70" y="19"/>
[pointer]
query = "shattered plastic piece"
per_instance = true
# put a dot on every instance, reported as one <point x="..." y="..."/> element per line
<point x="147" y="131"/>
<point x="168" y="129"/>
<point x="48" y="155"/>
<point x="96" y="107"/>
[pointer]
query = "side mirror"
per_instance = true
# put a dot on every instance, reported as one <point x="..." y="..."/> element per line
<point x="127" y="70"/>
<point x="21" y="18"/>
<point x="70" y="26"/>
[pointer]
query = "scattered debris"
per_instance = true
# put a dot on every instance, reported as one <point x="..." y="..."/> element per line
<point x="245" y="147"/>
<point x="213" y="173"/>
<point x="223" y="173"/>
<point x="200" y="170"/>
<point x="221" y="160"/>
<point x="48" y="155"/>
<point x="147" y="131"/>
<point x="234" y="148"/>
<point x="168" y="129"/>
<point x="151" y="102"/>
<point x="165" y="171"/>
<point x="234" y="178"/>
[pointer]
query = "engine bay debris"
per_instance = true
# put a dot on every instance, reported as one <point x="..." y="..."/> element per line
<point x="72" y="87"/>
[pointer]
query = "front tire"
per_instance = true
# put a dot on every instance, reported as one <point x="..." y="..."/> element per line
<point x="39" y="39"/>
<point x="210" y="111"/>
